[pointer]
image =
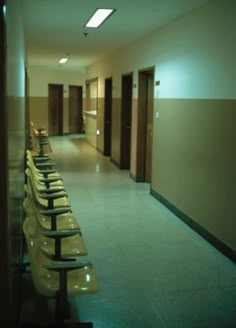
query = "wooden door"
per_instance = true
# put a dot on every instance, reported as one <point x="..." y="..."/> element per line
<point x="55" y="109"/>
<point x="107" y="116"/>
<point x="149" y="126"/>
<point x="126" y="115"/>
<point x="75" y="109"/>
<point x="145" y="125"/>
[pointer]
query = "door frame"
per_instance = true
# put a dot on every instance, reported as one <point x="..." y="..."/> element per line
<point x="142" y="122"/>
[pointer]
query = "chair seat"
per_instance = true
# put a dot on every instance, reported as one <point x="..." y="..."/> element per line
<point x="64" y="221"/>
<point x="70" y="246"/>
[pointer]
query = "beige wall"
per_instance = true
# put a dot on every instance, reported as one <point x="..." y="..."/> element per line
<point x="93" y="95"/>
<point x="194" y="139"/>
<point x="194" y="162"/>
<point x="90" y="128"/>
<point x="39" y="110"/>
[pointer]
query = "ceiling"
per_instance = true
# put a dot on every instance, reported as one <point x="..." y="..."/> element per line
<point x="55" y="28"/>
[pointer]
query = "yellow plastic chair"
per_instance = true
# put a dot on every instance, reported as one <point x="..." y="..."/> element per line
<point x="56" y="244"/>
<point x="53" y="219"/>
<point x="44" y="185"/>
<point x="39" y="139"/>
<point x="42" y="172"/>
<point x="58" y="279"/>
<point x="45" y="200"/>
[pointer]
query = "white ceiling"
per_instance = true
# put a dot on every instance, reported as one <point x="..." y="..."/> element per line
<point x="55" y="28"/>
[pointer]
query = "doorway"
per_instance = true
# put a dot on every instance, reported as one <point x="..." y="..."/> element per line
<point x="55" y="109"/>
<point x="126" y="117"/>
<point x="76" y="109"/>
<point x="145" y="125"/>
<point x="107" y="116"/>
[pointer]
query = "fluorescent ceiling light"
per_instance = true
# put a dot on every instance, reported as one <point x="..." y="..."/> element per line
<point x="99" y="17"/>
<point x="63" y="60"/>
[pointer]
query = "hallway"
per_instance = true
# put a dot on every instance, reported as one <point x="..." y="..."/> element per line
<point x="153" y="270"/>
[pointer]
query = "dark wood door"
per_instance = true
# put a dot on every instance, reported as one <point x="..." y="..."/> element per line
<point x="55" y="109"/>
<point x="149" y="126"/>
<point x="126" y="116"/>
<point x="107" y="116"/>
<point x="75" y="109"/>
<point x="145" y="125"/>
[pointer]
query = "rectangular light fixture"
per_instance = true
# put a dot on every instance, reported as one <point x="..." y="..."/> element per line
<point x="99" y="17"/>
<point x="63" y="60"/>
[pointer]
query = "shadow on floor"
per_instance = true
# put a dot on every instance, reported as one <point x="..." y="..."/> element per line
<point x="35" y="309"/>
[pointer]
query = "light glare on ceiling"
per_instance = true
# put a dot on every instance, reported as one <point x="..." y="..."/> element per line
<point x="63" y="60"/>
<point x="99" y="17"/>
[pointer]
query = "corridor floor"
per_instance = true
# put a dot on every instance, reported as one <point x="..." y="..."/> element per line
<point x="153" y="270"/>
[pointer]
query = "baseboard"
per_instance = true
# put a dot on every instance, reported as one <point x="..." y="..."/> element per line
<point x="132" y="176"/>
<point x="73" y="133"/>
<point x="115" y="162"/>
<point x="218" y="244"/>
<point x="100" y="151"/>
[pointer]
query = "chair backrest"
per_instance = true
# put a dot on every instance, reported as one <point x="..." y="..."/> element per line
<point x="30" y="161"/>
<point x="33" y="189"/>
<point x="36" y="132"/>
<point x="41" y="200"/>
<point x="31" y="164"/>
<point x="63" y="221"/>
<point x="37" y="174"/>
<point x="37" y="260"/>
<point x="39" y="185"/>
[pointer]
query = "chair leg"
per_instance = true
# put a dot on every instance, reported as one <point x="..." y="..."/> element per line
<point x="63" y="306"/>
<point x="62" y="303"/>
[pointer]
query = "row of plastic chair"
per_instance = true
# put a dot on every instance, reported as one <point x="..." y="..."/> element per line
<point x="54" y="238"/>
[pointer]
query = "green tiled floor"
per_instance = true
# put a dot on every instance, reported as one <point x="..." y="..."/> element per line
<point x="153" y="270"/>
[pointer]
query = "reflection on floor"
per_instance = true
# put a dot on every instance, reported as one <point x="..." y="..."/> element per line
<point x="153" y="270"/>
